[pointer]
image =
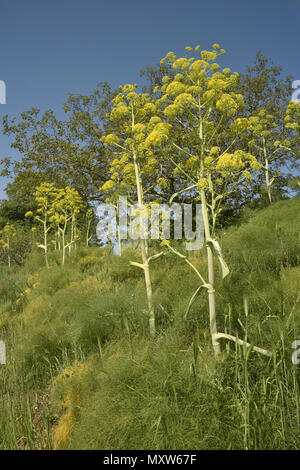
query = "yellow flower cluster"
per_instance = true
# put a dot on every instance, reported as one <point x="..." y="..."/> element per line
<point x="184" y="99"/>
<point x="240" y="126"/>
<point x="215" y="67"/>
<point x="208" y="162"/>
<point x="119" y="112"/>
<point x="139" y="128"/>
<point x="175" y="88"/>
<point x="237" y="161"/>
<point x="159" y="135"/>
<point x="178" y="77"/>
<point x="171" y="111"/>
<point x="153" y="121"/>
<point x="8" y="231"/>
<point x="128" y="88"/>
<point x="149" y="108"/>
<point x="292" y="117"/>
<point x="209" y="56"/>
<point x="202" y="183"/>
<point x="150" y="166"/>
<point x="215" y="150"/>
<point x="197" y="68"/>
<point x="195" y="90"/>
<point x="108" y="186"/>
<point x="199" y="83"/>
<point x="217" y="82"/>
<point x="262" y="124"/>
<point x="181" y="63"/>
<point x="193" y="160"/>
<point x="111" y="139"/>
<point x="162" y="183"/>
<point x="197" y="97"/>
<point x="57" y="218"/>
<point x="227" y="105"/>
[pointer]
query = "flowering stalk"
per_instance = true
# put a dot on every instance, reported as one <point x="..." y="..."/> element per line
<point x="201" y="100"/>
<point x="267" y="173"/>
<point x="89" y="216"/>
<point x="136" y="130"/>
<point x="44" y="196"/>
<point x="8" y="232"/>
<point x="143" y="245"/>
<point x="66" y="206"/>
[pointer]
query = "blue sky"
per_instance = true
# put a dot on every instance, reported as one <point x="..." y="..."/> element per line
<point x="50" y="48"/>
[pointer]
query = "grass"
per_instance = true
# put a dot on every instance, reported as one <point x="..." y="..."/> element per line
<point x="82" y="372"/>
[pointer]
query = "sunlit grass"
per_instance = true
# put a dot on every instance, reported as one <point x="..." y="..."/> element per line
<point x="82" y="371"/>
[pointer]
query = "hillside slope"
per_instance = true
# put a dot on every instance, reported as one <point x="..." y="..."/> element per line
<point x="82" y="371"/>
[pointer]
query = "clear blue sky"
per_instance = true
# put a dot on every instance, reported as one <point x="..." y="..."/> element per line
<point x="50" y="48"/>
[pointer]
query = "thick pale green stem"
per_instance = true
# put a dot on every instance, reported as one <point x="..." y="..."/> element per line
<point x="63" y="232"/>
<point x="45" y="240"/>
<point x="144" y="254"/>
<point x="87" y="233"/>
<point x="75" y="233"/>
<point x="213" y="203"/>
<point x="210" y="261"/>
<point x="267" y="172"/>
<point x="149" y="291"/>
<point x="143" y="244"/>
<point x="63" y="248"/>
<point x="8" y="248"/>
<point x="70" y="245"/>
<point x="58" y="239"/>
<point x="268" y="180"/>
<point x="265" y="352"/>
<point x="211" y="290"/>
<point x="119" y="241"/>
<point x="119" y="230"/>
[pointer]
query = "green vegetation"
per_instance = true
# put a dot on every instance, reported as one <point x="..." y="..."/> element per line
<point x="83" y="371"/>
<point x="197" y="353"/>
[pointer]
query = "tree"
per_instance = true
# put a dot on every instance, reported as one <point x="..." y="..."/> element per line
<point x="262" y="134"/>
<point x="121" y="183"/>
<point x="64" y="211"/>
<point x="263" y="88"/>
<point x="266" y="90"/>
<point x="45" y="194"/>
<point x="137" y="129"/>
<point x="61" y="152"/>
<point x="202" y="100"/>
<point x="292" y="123"/>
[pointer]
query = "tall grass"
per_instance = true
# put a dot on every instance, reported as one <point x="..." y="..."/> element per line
<point x="82" y="371"/>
